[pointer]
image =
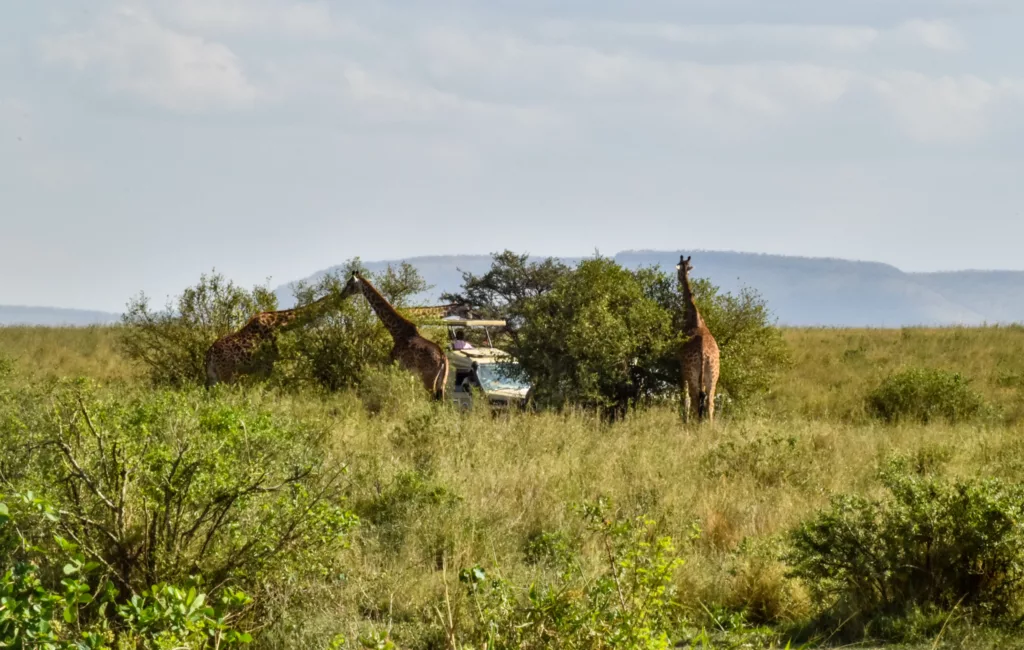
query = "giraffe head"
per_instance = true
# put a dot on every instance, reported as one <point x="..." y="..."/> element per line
<point x="684" y="267"/>
<point x="353" y="286"/>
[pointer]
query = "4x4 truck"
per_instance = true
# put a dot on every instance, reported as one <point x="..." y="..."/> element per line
<point x="485" y="372"/>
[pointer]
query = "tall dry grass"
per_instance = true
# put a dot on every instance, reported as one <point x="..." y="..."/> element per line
<point x="439" y="491"/>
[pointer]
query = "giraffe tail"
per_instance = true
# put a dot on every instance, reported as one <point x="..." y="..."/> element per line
<point x="702" y="396"/>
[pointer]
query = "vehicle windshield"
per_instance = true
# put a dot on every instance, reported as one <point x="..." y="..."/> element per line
<point x="496" y="376"/>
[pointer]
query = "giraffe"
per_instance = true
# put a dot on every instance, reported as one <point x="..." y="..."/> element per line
<point x="699" y="354"/>
<point x="252" y="349"/>
<point x="413" y="352"/>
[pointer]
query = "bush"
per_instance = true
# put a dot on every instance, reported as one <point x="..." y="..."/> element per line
<point x="504" y="290"/>
<point x="622" y="328"/>
<point x="924" y="395"/>
<point x="628" y="604"/>
<point x="760" y="588"/>
<point x="753" y="350"/>
<point x="162" y="486"/>
<point x="172" y="343"/>
<point x="337" y="351"/>
<point x="84" y="609"/>
<point x="931" y="545"/>
<point x="391" y="392"/>
<point x="769" y="460"/>
<point x="587" y="340"/>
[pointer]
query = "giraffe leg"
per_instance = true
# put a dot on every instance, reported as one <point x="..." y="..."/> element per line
<point x="684" y="401"/>
<point x="441" y="380"/>
<point x="695" y="397"/>
<point x="711" y="379"/>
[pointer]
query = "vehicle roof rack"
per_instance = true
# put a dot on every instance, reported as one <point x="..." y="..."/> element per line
<point x="462" y="322"/>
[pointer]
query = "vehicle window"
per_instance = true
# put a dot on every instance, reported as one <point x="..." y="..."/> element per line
<point x="496" y="376"/>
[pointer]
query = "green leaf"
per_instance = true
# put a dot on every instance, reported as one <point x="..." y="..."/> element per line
<point x="70" y="569"/>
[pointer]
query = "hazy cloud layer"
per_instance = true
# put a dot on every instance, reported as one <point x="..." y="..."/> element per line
<point x="143" y="141"/>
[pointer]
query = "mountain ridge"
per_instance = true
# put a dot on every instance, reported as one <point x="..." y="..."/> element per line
<point x="799" y="290"/>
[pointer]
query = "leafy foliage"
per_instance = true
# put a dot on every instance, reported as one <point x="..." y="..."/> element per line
<point x="161" y="486"/>
<point x="54" y="597"/>
<point x="172" y="343"/>
<point x="753" y="351"/>
<point x="587" y="340"/>
<point x="512" y="281"/>
<point x="930" y="544"/>
<point x="600" y="335"/>
<point x="629" y="604"/>
<point x="925" y="394"/>
<point x="336" y="351"/>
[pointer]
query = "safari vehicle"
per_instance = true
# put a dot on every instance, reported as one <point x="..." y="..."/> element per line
<point x="486" y="372"/>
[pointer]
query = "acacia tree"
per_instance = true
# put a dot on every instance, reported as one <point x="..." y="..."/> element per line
<point x="632" y="321"/>
<point x="589" y="338"/>
<point x="505" y="289"/>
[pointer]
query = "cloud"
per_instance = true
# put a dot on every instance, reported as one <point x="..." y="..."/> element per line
<point x="568" y="77"/>
<point x="173" y="70"/>
<point x="808" y="38"/>
<point x="390" y="99"/>
<point x="15" y="117"/>
<point x="944" y="109"/>
<point x="832" y="37"/>
<point x="584" y="82"/>
<point x="31" y="154"/>
<point x="933" y="34"/>
<point x="564" y="69"/>
<point x="274" y="17"/>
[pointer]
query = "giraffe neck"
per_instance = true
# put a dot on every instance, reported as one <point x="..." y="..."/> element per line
<point x="434" y="311"/>
<point x="399" y="327"/>
<point x="691" y="316"/>
<point x="285" y="318"/>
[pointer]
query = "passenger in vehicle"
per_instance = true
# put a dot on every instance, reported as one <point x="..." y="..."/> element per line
<point x="460" y="342"/>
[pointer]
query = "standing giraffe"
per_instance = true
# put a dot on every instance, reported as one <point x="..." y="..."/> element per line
<point x="252" y="350"/>
<point x="699" y="354"/>
<point x="413" y="352"/>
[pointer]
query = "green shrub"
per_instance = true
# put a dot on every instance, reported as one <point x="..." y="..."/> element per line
<point x="760" y="588"/>
<point x="930" y="546"/>
<point x="600" y="335"/>
<point x="553" y="549"/>
<point x="628" y="604"/>
<point x="53" y="596"/>
<point x="753" y="350"/>
<point x="924" y="395"/>
<point x="770" y="460"/>
<point x="408" y="496"/>
<point x="161" y="486"/>
<point x="6" y="367"/>
<point x="390" y="391"/>
<point x="337" y="350"/>
<point x="172" y="343"/>
<point x="587" y="340"/>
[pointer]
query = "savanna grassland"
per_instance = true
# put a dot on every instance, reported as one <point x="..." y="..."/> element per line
<point x="449" y="519"/>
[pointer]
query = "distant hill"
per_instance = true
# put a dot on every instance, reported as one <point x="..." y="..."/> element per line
<point x="800" y="291"/>
<point x="54" y="316"/>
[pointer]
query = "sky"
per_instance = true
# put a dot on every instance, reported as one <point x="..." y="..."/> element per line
<point x="144" y="142"/>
